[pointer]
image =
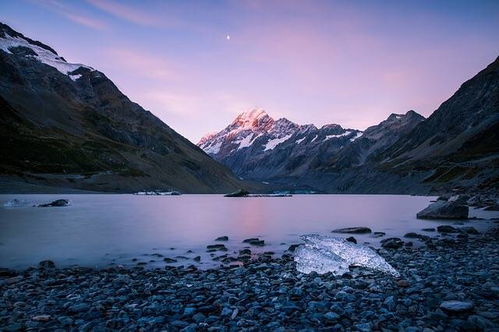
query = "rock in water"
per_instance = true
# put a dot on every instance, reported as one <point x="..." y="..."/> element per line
<point x="254" y="241"/>
<point x="444" y="210"/>
<point x="353" y="230"/>
<point x="239" y="193"/>
<point x="447" y="229"/>
<point x="392" y="243"/>
<point x="324" y="254"/>
<point x="456" y="306"/>
<point x="58" y="202"/>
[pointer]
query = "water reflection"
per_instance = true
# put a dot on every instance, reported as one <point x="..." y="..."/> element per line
<point x="127" y="225"/>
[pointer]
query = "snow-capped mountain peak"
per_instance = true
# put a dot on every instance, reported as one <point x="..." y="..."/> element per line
<point x="255" y="119"/>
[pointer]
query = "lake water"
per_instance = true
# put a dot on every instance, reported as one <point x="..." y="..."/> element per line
<point x="97" y="230"/>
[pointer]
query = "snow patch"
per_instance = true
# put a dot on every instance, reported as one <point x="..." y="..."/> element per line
<point x="346" y="133"/>
<point x="360" y="133"/>
<point x="44" y="56"/>
<point x="275" y="142"/>
<point x="75" y="77"/>
<point x="313" y="139"/>
<point x="298" y="141"/>
<point x="213" y="148"/>
<point x="247" y="141"/>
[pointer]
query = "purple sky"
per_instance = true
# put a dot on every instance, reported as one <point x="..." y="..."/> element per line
<point x="346" y="62"/>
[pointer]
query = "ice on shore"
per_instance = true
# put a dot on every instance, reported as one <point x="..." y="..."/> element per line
<point x="14" y="203"/>
<point x="324" y="254"/>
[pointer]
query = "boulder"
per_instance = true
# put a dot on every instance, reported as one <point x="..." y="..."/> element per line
<point x="222" y="238"/>
<point x="351" y="239"/>
<point x="56" y="203"/>
<point x="444" y="210"/>
<point x="456" y="306"/>
<point x="238" y="193"/>
<point x="413" y="235"/>
<point x="470" y="230"/>
<point x="46" y="264"/>
<point x="447" y="229"/>
<point x="353" y="230"/>
<point x="392" y="243"/>
<point x="216" y="247"/>
<point x="254" y="241"/>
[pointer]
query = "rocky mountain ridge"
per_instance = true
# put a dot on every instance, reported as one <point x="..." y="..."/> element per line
<point x="455" y="147"/>
<point x="68" y="126"/>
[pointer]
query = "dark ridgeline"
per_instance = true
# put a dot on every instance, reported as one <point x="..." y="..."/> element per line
<point x="456" y="147"/>
<point x="82" y="131"/>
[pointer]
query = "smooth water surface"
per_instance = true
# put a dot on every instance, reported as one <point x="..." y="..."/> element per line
<point x="97" y="230"/>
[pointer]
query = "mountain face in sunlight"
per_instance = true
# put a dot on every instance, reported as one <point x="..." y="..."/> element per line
<point x="256" y="146"/>
<point x="68" y="125"/>
<point x="457" y="146"/>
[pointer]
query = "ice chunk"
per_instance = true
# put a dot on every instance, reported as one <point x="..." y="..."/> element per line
<point x="13" y="203"/>
<point x="332" y="254"/>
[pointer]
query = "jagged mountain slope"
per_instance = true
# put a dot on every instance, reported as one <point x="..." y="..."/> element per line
<point x="257" y="147"/>
<point x="68" y="125"/>
<point x="457" y="146"/>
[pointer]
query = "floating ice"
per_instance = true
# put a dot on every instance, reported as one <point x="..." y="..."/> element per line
<point x="13" y="203"/>
<point x="324" y="254"/>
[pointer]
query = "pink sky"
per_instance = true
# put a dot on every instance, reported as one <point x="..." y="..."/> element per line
<point x="351" y="63"/>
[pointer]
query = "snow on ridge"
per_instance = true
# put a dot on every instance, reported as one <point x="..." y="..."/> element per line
<point x="346" y="133"/>
<point x="298" y="141"/>
<point x="247" y="141"/>
<point x="213" y="148"/>
<point x="360" y="133"/>
<point x="275" y="142"/>
<point x="43" y="55"/>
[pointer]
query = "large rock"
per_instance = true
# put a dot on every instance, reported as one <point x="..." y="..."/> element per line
<point x="58" y="202"/>
<point x="353" y="230"/>
<point x="444" y="210"/>
<point x="239" y="193"/>
<point x="392" y="243"/>
<point x="456" y="306"/>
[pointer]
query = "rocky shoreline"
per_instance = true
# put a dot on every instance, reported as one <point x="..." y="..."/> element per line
<point x="451" y="283"/>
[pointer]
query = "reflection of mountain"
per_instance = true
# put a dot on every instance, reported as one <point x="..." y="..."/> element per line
<point x="68" y="125"/>
<point x="457" y="146"/>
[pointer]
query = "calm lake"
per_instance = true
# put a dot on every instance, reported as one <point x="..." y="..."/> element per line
<point x="97" y="230"/>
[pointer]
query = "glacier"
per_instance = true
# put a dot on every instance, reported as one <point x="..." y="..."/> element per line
<point x="324" y="254"/>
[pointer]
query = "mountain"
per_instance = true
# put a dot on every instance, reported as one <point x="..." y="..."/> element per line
<point x="67" y="125"/>
<point x="459" y="143"/>
<point x="456" y="147"/>
<point x="257" y="147"/>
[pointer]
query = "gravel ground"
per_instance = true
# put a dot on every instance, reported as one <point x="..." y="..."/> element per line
<point x="450" y="283"/>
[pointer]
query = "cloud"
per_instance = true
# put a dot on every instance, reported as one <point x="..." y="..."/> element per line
<point x="126" y="12"/>
<point x="71" y="14"/>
